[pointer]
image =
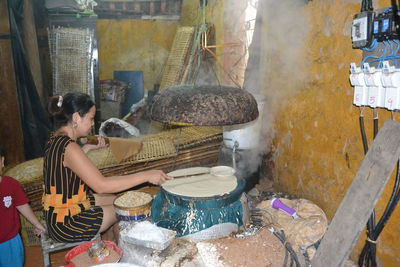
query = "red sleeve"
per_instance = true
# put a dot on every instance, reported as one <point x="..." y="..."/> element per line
<point x="20" y="197"/>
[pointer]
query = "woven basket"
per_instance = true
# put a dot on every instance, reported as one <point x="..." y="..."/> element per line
<point x="27" y="172"/>
<point x="132" y="213"/>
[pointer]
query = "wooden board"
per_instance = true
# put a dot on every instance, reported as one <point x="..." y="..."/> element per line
<point x="357" y="205"/>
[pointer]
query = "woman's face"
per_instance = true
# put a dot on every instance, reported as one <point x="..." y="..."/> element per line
<point x="86" y="122"/>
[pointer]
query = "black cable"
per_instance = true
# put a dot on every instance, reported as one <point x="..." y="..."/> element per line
<point x="366" y="5"/>
<point x="367" y="250"/>
<point x="363" y="135"/>
<point x="394" y="199"/>
<point x="376" y="123"/>
<point x="368" y="254"/>
<point x="292" y="253"/>
<point x="286" y="258"/>
<point x="363" y="6"/>
<point x="370" y="7"/>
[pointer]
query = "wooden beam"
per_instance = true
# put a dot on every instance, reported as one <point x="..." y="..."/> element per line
<point x="11" y="136"/>
<point x="360" y="199"/>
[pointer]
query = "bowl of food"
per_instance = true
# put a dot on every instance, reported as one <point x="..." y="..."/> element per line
<point x="93" y="252"/>
<point x="133" y="205"/>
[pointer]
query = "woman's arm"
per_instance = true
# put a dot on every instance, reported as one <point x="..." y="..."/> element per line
<point x="78" y="162"/>
<point x="100" y="143"/>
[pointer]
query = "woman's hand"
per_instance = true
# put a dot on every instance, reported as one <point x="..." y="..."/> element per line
<point x="156" y="177"/>
<point x="101" y="143"/>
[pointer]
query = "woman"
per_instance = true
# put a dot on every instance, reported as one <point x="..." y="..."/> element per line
<point x="72" y="214"/>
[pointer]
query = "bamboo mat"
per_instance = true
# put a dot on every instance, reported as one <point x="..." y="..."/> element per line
<point x="178" y="57"/>
<point x="203" y="155"/>
<point x="152" y="149"/>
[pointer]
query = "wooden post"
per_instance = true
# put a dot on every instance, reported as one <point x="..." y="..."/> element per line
<point x="11" y="137"/>
<point x="32" y="50"/>
<point x="360" y="199"/>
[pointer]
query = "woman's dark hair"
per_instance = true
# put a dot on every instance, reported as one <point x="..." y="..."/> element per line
<point x="62" y="108"/>
<point x="1" y="151"/>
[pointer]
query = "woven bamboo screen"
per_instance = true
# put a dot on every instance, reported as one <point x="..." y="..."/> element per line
<point x="71" y="58"/>
<point x="178" y="57"/>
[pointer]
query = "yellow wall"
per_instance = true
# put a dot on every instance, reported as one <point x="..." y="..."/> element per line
<point x="316" y="136"/>
<point x="136" y="45"/>
<point x="143" y="45"/>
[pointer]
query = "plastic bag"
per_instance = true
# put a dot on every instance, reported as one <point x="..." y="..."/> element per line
<point x="148" y="235"/>
<point x="114" y="127"/>
<point x="138" y="255"/>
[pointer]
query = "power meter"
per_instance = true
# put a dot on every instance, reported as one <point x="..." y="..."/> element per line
<point x="386" y="25"/>
<point x="361" y="31"/>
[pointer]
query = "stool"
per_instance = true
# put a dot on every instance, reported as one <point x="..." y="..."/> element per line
<point x="49" y="246"/>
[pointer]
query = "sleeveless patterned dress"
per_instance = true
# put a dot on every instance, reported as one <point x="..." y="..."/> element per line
<point x="69" y="210"/>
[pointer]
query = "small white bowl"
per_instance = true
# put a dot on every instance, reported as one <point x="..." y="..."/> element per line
<point x="222" y="171"/>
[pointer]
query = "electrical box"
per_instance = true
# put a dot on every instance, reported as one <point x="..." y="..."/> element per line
<point x="386" y="25"/>
<point x="361" y="31"/>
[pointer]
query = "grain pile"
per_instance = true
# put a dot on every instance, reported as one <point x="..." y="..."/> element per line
<point x="132" y="199"/>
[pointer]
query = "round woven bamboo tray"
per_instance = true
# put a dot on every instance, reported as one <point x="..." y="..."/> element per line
<point x="135" y="213"/>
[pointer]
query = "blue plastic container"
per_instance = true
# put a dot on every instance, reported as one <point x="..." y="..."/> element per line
<point x="135" y="92"/>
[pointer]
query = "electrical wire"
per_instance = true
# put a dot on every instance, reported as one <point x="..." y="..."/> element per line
<point x="388" y="53"/>
<point x="368" y="254"/>
<point x="293" y="256"/>
<point x="363" y="135"/>
<point x="366" y="5"/>
<point x="373" y="46"/>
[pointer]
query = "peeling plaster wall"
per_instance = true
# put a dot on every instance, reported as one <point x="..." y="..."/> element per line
<point x="144" y="45"/>
<point x="310" y="122"/>
<point x="135" y="45"/>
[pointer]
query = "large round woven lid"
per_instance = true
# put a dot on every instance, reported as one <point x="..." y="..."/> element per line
<point x="210" y="105"/>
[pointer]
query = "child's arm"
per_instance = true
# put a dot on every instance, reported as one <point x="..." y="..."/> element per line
<point x="27" y="212"/>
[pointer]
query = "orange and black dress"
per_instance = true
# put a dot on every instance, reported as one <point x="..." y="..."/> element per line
<point x="69" y="210"/>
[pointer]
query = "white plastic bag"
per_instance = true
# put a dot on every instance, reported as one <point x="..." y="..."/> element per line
<point x="148" y="235"/>
<point x="130" y="130"/>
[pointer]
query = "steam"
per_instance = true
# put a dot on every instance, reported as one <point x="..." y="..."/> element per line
<point x="277" y="63"/>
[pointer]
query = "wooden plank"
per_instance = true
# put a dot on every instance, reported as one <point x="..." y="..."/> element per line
<point x="11" y="136"/>
<point x="357" y="205"/>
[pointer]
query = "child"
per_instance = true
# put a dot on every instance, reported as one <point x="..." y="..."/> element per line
<point x="12" y="201"/>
